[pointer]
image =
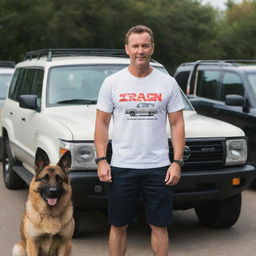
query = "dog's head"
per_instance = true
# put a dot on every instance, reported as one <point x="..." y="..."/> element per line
<point x="52" y="180"/>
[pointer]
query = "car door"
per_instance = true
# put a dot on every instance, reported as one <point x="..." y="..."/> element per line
<point x="10" y="114"/>
<point x="232" y="83"/>
<point x="207" y="92"/>
<point x="29" y="119"/>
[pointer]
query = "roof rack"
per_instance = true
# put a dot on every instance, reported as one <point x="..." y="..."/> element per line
<point x="223" y="62"/>
<point x="7" y="64"/>
<point x="50" y="53"/>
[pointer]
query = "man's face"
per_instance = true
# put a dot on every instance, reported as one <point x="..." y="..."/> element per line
<point x="139" y="48"/>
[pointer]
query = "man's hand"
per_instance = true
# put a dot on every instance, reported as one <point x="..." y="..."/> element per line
<point x="104" y="171"/>
<point x="173" y="174"/>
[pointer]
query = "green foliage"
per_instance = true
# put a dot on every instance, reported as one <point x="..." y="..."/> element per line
<point x="185" y="30"/>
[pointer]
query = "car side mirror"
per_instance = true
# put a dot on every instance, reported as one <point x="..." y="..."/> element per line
<point x="28" y="102"/>
<point x="234" y="100"/>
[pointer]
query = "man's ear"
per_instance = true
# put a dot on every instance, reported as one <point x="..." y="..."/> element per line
<point x="65" y="161"/>
<point x="40" y="162"/>
<point x="153" y="49"/>
<point x="126" y="49"/>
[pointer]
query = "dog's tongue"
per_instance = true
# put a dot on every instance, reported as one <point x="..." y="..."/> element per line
<point x="52" y="201"/>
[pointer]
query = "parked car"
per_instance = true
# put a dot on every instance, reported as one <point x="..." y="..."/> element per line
<point x="6" y="71"/>
<point x="142" y="109"/>
<point x="225" y="90"/>
<point x="51" y="108"/>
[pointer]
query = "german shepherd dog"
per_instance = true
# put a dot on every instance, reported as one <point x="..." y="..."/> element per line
<point x="47" y="225"/>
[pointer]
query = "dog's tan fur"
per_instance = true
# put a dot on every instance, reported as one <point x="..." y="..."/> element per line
<point x="47" y="230"/>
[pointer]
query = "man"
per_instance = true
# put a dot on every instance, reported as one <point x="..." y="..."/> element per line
<point x="140" y="161"/>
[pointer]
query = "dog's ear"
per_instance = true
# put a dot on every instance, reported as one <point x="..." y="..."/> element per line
<point x="40" y="162"/>
<point x="65" y="161"/>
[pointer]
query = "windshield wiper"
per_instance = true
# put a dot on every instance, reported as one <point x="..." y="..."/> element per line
<point x="83" y="101"/>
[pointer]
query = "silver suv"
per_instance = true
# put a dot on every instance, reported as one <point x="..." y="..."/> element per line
<point x="6" y="72"/>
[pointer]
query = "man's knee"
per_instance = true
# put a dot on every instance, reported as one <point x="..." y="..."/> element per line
<point x="119" y="229"/>
<point x="158" y="229"/>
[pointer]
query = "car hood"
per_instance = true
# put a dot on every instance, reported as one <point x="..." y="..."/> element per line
<point x="201" y="126"/>
<point x="80" y="120"/>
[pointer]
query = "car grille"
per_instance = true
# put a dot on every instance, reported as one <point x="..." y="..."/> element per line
<point x="204" y="153"/>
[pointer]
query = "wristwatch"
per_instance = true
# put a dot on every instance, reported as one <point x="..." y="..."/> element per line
<point x="180" y="162"/>
<point x="99" y="159"/>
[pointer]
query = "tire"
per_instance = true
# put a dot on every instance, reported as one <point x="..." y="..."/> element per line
<point x="11" y="179"/>
<point x="77" y="217"/>
<point x="220" y="214"/>
<point x="132" y="113"/>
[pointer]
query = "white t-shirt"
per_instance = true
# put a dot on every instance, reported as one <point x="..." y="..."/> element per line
<point x="139" y="107"/>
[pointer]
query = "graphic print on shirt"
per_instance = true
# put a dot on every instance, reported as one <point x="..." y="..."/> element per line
<point x="145" y="108"/>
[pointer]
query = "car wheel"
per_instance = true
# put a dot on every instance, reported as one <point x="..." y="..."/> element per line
<point x="220" y="214"/>
<point x="77" y="217"/>
<point x="132" y="114"/>
<point x="11" y="179"/>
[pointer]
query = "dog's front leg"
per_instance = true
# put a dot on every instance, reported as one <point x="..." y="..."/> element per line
<point x="64" y="248"/>
<point x="31" y="248"/>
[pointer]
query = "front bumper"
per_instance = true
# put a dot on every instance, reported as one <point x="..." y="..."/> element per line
<point x="195" y="187"/>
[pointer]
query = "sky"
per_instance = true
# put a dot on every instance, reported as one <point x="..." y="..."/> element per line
<point x="218" y="3"/>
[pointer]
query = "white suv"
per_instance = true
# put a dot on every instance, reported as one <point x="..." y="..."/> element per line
<point x="51" y="108"/>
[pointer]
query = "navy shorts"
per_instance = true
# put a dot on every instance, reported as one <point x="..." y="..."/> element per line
<point x="127" y="184"/>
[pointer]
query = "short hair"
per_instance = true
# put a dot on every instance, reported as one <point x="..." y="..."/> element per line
<point x="139" y="29"/>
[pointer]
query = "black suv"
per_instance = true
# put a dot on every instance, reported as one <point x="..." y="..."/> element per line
<point x="224" y="89"/>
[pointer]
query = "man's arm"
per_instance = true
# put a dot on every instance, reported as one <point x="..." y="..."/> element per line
<point x="178" y="143"/>
<point x="101" y="143"/>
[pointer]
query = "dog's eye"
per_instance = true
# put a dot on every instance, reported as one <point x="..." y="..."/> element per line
<point x="59" y="178"/>
<point x="45" y="178"/>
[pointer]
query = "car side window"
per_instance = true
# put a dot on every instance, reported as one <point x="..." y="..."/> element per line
<point x="231" y="84"/>
<point x="38" y="84"/>
<point x="15" y="91"/>
<point x="28" y="81"/>
<point x="182" y="79"/>
<point x="13" y="84"/>
<point x="208" y="86"/>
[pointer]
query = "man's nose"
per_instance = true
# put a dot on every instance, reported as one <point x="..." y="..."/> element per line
<point x="140" y="49"/>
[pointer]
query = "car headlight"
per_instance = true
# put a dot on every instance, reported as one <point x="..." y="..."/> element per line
<point x="236" y="151"/>
<point x="83" y="154"/>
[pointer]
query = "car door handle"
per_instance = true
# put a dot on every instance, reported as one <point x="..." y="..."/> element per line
<point x="11" y="113"/>
<point x="23" y="119"/>
<point x="216" y="111"/>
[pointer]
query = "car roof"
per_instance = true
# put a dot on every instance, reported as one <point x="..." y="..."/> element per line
<point x="6" y="70"/>
<point x="229" y="64"/>
<point x="7" y="67"/>
<point x="66" y="56"/>
<point x="77" y="60"/>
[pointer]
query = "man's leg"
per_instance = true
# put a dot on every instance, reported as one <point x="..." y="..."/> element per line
<point x="159" y="240"/>
<point x="118" y="240"/>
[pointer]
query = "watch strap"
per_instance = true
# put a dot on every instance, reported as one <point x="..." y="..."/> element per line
<point x="180" y="162"/>
<point x="97" y="160"/>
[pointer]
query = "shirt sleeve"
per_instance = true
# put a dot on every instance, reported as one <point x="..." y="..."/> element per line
<point x="175" y="102"/>
<point x="105" y="102"/>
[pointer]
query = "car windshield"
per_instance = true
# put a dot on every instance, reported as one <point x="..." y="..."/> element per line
<point x="78" y="85"/>
<point x="252" y="80"/>
<point x="5" y="80"/>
